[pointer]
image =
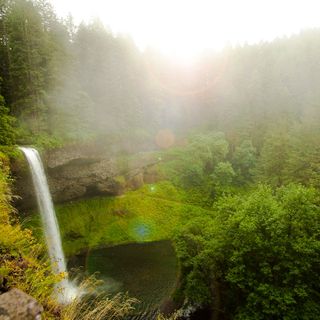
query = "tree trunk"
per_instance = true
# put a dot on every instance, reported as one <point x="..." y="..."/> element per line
<point x="216" y="308"/>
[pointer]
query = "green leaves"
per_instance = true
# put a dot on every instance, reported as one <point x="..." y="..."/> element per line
<point x="244" y="162"/>
<point x="263" y="248"/>
<point x="291" y="154"/>
<point x="204" y="156"/>
<point x="223" y="173"/>
<point x="7" y="131"/>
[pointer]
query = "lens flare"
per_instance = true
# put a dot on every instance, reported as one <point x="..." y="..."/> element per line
<point x="165" y="138"/>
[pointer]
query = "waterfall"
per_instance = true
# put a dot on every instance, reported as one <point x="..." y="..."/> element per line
<point x="66" y="291"/>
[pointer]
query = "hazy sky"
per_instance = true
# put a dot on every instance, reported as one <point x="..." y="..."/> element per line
<point x="185" y="27"/>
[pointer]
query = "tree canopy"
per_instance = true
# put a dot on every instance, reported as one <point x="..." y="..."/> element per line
<point x="257" y="257"/>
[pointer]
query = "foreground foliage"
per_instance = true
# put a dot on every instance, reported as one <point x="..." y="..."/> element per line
<point x="258" y="258"/>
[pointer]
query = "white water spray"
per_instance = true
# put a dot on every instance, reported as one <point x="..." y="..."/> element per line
<point x="66" y="291"/>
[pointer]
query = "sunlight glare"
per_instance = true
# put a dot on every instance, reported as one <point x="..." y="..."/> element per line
<point x="184" y="28"/>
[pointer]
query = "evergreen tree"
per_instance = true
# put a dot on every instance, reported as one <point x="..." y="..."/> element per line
<point x="273" y="158"/>
<point x="7" y="131"/>
<point x="244" y="162"/>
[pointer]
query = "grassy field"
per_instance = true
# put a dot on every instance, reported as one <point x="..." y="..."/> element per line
<point x="150" y="214"/>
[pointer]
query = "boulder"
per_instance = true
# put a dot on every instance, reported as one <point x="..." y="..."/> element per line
<point x="17" y="305"/>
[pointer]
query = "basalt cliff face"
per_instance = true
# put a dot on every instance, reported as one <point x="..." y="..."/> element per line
<point x="76" y="172"/>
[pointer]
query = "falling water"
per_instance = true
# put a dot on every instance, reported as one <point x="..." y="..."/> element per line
<point x="66" y="291"/>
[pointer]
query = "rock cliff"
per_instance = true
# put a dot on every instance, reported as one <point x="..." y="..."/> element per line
<point x="77" y="172"/>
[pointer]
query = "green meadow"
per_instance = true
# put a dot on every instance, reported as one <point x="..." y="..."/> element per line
<point x="151" y="213"/>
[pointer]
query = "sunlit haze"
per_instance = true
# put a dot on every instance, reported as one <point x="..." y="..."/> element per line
<point x="183" y="28"/>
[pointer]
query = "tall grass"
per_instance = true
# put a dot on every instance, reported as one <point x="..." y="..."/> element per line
<point x="95" y="305"/>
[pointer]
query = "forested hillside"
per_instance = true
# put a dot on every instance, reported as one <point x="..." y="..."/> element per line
<point x="62" y="81"/>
